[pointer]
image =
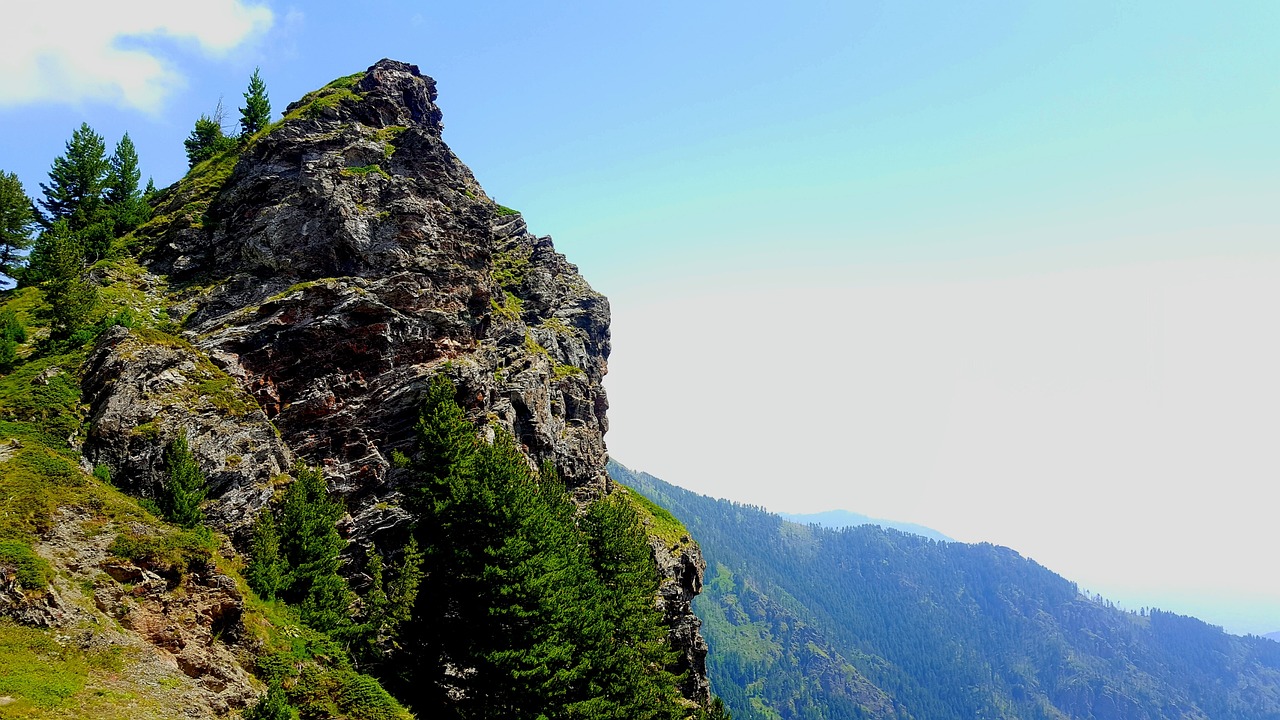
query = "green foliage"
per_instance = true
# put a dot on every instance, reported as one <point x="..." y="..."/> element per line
<point x="363" y="170"/>
<point x="256" y="113"/>
<point x="35" y="669"/>
<point x="17" y="221"/>
<point x="274" y="705"/>
<point x="503" y="211"/>
<point x="266" y="569"/>
<point x="171" y="553"/>
<point x="125" y="204"/>
<point x="510" y="308"/>
<point x="77" y="181"/>
<point x="557" y="618"/>
<point x="59" y="261"/>
<point x="309" y="545"/>
<point x="102" y="473"/>
<point x="511" y="266"/>
<point x="206" y="140"/>
<point x="184" y="487"/>
<point x="33" y="572"/>
<point x="12" y="334"/>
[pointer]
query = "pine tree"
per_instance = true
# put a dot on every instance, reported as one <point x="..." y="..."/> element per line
<point x="184" y="487"/>
<point x="58" y="261"/>
<point x="125" y="202"/>
<point x="310" y="544"/>
<point x="76" y="182"/>
<point x="266" y="570"/>
<point x="17" y="220"/>
<point x="206" y="140"/>
<point x="256" y="113"/>
<point x="123" y="175"/>
<point x="150" y="192"/>
<point x="631" y="663"/>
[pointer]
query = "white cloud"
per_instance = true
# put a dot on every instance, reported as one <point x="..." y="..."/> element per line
<point x="69" y="52"/>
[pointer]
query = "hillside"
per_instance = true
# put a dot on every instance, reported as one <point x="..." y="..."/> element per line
<point x="323" y="437"/>
<point x="806" y="622"/>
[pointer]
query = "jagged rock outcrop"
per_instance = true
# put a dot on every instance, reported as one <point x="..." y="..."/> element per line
<point x="143" y="389"/>
<point x="682" y="569"/>
<point x="346" y="259"/>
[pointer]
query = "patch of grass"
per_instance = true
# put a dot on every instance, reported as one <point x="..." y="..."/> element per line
<point x="186" y="204"/>
<point x="225" y="394"/>
<point x="170" y="553"/>
<point x="346" y="81"/>
<point x="36" y="671"/>
<point x="561" y="371"/>
<point x="511" y="266"/>
<point x="387" y="136"/>
<point x="504" y="211"/>
<point x="50" y="408"/>
<point x="33" y="572"/>
<point x="657" y="521"/>
<point x="363" y="170"/>
<point x="510" y="308"/>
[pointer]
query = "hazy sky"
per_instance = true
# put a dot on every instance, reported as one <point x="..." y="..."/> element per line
<point x="1004" y="269"/>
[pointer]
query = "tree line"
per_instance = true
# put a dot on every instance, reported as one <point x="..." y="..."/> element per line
<point x="91" y="200"/>
<point x="505" y="601"/>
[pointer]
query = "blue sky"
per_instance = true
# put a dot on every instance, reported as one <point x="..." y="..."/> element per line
<point x="1005" y="269"/>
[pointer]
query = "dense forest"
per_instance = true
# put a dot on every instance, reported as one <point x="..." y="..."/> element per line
<point x="944" y="630"/>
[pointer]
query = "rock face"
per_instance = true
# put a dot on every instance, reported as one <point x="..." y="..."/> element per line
<point x="347" y="258"/>
<point x="350" y="256"/>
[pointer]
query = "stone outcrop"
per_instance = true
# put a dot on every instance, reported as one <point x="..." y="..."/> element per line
<point x="345" y="259"/>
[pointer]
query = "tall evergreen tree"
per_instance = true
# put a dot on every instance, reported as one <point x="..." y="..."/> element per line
<point x="266" y="570"/>
<point x="17" y="220"/>
<point x="310" y="544"/>
<point x="256" y="113"/>
<point x="76" y="182"/>
<point x="123" y="175"/>
<point x="125" y="203"/>
<point x="58" y="263"/>
<point x="185" y="486"/>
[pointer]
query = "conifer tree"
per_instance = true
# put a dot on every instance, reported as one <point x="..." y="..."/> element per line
<point x="125" y="203"/>
<point x="185" y="487"/>
<point x="206" y="140"/>
<point x="58" y="262"/>
<point x="256" y="113"/>
<point x="310" y="544"/>
<point x="76" y="182"/>
<point x="266" y="570"/>
<point x="17" y="220"/>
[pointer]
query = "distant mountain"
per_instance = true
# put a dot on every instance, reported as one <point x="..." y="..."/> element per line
<point x="865" y="622"/>
<point x="1273" y="636"/>
<point x="843" y="518"/>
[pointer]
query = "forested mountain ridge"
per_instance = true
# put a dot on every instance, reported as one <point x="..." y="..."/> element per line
<point x="944" y="630"/>
<point x="321" y="438"/>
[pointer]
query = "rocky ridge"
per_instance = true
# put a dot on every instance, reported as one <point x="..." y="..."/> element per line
<point x="322" y="276"/>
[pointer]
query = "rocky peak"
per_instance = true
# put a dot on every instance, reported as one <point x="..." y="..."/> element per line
<point x="323" y="274"/>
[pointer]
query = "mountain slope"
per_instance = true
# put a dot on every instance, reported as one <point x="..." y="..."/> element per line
<point x="282" y="316"/>
<point x="843" y="518"/>
<point x="950" y="630"/>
